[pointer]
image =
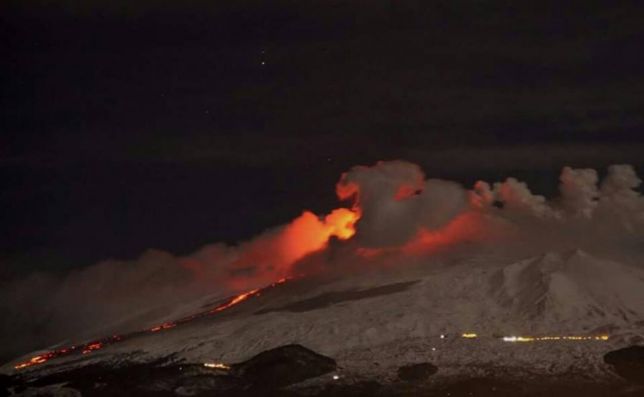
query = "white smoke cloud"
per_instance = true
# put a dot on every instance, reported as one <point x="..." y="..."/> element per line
<point x="402" y="210"/>
<point x="516" y="196"/>
<point x="579" y="192"/>
<point x="396" y="201"/>
<point x="618" y="189"/>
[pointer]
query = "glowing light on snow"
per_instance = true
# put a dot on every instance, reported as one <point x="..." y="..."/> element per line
<point x="469" y="335"/>
<point x="217" y="366"/>
<point x="517" y="339"/>
<point x="514" y="339"/>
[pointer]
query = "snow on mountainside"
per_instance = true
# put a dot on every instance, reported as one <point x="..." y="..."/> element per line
<point x="391" y="319"/>
<point x="571" y="291"/>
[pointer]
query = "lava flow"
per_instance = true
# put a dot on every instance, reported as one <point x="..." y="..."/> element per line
<point x="92" y="346"/>
<point x="239" y="298"/>
<point x="307" y="233"/>
<point x="83" y="349"/>
<point x="163" y="326"/>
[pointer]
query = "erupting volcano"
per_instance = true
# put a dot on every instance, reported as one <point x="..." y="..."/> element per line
<point x="424" y="271"/>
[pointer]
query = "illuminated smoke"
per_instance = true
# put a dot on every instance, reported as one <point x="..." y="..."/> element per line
<point x="402" y="210"/>
<point x="271" y="255"/>
<point x="396" y="202"/>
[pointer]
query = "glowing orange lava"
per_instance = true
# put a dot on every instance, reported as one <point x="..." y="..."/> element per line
<point x="308" y="233"/>
<point x="341" y="223"/>
<point x="274" y="254"/>
<point x="236" y="300"/>
<point x="92" y="346"/>
<point x="35" y="360"/>
<point x="280" y="281"/>
<point x="84" y="349"/>
<point x="163" y="326"/>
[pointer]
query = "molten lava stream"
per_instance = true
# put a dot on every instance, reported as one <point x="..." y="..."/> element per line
<point x="97" y="345"/>
<point x="161" y="327"/>
<point x="306" y="234"/>
<point x="84" y="349"/>
<point x="236" y="300"/>
<point x="248" y="294"/>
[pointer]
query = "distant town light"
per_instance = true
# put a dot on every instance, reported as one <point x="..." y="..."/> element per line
<point x="216" y="366"/>
<point x="554" y="338"/>
<point x="469" y="335"/>
<point x="336" y="377"/>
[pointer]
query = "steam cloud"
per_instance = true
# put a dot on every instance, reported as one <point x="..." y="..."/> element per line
<point x="400" y="211"/>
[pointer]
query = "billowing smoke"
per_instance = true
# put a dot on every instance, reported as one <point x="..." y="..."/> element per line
<point x="398" y="217"/>
<point x="396" y="201"/>
<point x="403" y="211"/>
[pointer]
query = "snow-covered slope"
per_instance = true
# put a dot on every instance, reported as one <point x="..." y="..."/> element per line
<point x="572" y="291"/>
<point x="372" y="322"/>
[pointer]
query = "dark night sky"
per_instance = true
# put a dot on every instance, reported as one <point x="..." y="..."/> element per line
<point x="135" y="125"/>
